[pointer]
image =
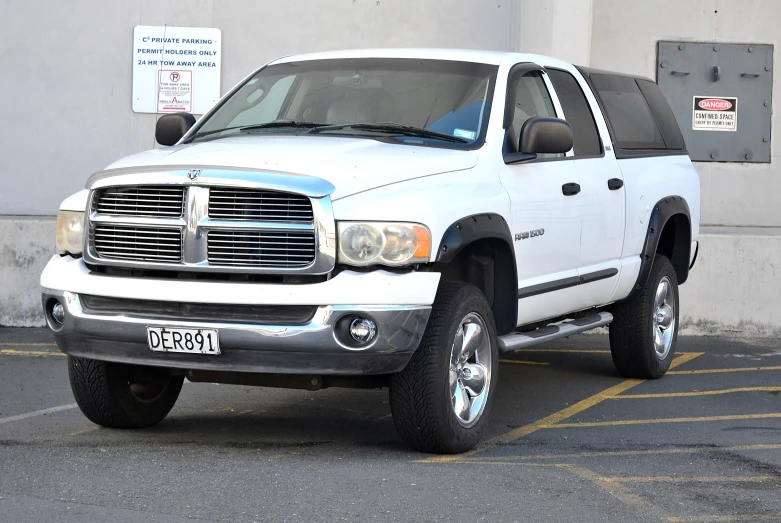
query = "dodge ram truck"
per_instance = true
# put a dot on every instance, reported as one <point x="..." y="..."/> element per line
<point x="378" y="218"/>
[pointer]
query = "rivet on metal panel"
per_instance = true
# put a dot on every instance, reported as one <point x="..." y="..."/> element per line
<point x="681" y="47"/>
<point x="767" y="104"/>
<point x="713" y="156"/>
<point x="716" y="48"/>
<point x="748" y="156"/>
<point x="663" y="65"/>
<point x="767" y="68"/>
<point x="765" y="139"/>
<point x="750" y="49"/>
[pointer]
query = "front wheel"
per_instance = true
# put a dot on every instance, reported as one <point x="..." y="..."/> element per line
<point x="645" y="327"/>
<point x="121" y="396"/>
<point x="442" y="400"/>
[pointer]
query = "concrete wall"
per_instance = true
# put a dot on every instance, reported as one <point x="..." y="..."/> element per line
<point x="26" y="244"/>
<point x="624" y="37"/>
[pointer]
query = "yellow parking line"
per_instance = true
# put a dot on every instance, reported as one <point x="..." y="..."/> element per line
<point x="740" y="517"/>
<point x="524" y="362"/>
<point x="84" y="431"/>
<point x="658" y="420"/>
<point x="10" y="344"/>
<point x="718" y="371"/>
<point x="617" y="490"/>
<point x="693" y="479"/>
<point x="583" y="405"/>
<point x="13" y="352"/>
<point x="560" y="415"/>
<point x="608" y="453"/>
<point x="696" y="393"/>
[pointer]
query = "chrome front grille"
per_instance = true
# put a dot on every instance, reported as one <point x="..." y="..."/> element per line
<point x="248" y="248"/>
<point x="179" y="226"/>
<point x="151" y="201"/>
<point x="146" y="244"/>
<point x="259" y="205"/>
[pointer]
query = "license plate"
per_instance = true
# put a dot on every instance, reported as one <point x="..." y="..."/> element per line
<point x="187" y="341"/>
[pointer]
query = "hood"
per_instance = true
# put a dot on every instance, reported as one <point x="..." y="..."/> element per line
<point x="352" y="165"/>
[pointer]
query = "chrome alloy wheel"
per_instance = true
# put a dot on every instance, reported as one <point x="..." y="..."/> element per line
<point x="470" y="369"/>
<point x="664" y="318"/>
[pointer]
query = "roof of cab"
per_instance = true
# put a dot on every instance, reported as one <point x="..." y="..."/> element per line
<point x="460" y="55"/>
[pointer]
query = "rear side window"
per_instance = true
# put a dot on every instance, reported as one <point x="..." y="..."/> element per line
<point x="663" y="114"/>
<point x="633" y="124"/>
<point x="577" y="112"/>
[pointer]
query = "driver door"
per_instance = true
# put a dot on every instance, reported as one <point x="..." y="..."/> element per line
<point x="546" y="223"/>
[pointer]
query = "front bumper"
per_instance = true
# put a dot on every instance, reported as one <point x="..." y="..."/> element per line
<point x="247" y="346"/>
<point x="311" y="348"/>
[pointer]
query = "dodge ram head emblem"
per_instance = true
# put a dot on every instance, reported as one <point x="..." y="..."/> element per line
<point x="193" y="173"/>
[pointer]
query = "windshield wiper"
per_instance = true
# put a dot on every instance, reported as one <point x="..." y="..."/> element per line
<point x="267" y="125"/>
<point x="395" y="128"/>
<point x="281" y="123"/>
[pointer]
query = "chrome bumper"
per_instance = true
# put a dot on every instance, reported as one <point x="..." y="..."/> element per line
<point x="296" y="349"/>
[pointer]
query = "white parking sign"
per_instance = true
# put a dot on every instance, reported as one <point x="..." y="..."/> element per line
<point x="176" y="69"/>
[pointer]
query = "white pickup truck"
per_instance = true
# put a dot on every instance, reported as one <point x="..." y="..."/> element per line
<point x="385" y="218"/>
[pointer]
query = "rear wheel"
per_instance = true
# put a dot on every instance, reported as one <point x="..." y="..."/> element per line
<point x="122" y="396"/>
<point x="442" y="400"/>
<point x="644" y="330"/>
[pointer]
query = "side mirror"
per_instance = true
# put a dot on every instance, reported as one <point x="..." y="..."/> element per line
<point x="171" y="127"/>
<point x="545" y="135"/>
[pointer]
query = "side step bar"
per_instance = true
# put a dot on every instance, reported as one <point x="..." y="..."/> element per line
<point x="517" y="340"/>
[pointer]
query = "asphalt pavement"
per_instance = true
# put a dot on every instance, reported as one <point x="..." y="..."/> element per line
<point x="570" y="440"/>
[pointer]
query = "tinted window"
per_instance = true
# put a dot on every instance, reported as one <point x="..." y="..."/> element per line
<point x="577" y="112"/>
<point x="634" y="127"/>
<point x="663" y="114"/>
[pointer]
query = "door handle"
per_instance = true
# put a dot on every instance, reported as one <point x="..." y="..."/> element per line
<point x="570" y="189"/>
<point x="615" y="184"/>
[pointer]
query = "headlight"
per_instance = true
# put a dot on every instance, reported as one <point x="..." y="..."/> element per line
<point x="70" y="232"/>
<point x="369" y="243"/>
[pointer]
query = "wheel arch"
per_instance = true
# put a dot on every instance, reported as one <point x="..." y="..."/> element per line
<point x="478" y="249"/>
<point x="669" y="233"/>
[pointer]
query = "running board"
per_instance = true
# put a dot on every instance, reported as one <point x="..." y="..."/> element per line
<point x="515" y="341"/>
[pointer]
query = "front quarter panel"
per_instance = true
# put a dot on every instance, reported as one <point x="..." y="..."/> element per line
<point x="434" y="201"/>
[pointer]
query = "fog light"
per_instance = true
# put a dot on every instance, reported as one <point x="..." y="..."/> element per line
<point x="363" y="330"/>
<point x="58" y="313"/>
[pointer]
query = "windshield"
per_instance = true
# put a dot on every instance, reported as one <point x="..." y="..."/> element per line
<point x="445" y="97"/>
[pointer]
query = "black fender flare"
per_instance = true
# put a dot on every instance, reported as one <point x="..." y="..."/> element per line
<point x="487" y="226"/>
<point x="664" y="209"/>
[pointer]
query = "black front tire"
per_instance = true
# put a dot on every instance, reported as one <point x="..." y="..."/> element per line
<point x="121" y="396"/>
<point x="420" y="395"/>
<point x="634" y="322"/>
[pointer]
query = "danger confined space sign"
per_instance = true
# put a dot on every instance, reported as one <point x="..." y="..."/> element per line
<point x="713" y="113"/>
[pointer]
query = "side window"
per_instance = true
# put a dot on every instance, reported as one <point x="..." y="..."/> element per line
<point x="634" y="127"/>
<point x="531" y="99"/>
<point x="577" y="112"/>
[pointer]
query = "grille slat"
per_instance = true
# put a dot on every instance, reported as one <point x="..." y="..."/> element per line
<point x="259" y="205"/>
<point x="137" y="243"/>
<point x="145" y="201"/>
<point x="252" y="249"/>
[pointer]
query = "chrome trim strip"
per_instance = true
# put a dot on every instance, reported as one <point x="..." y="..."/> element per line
<point x="216" y="176"/>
